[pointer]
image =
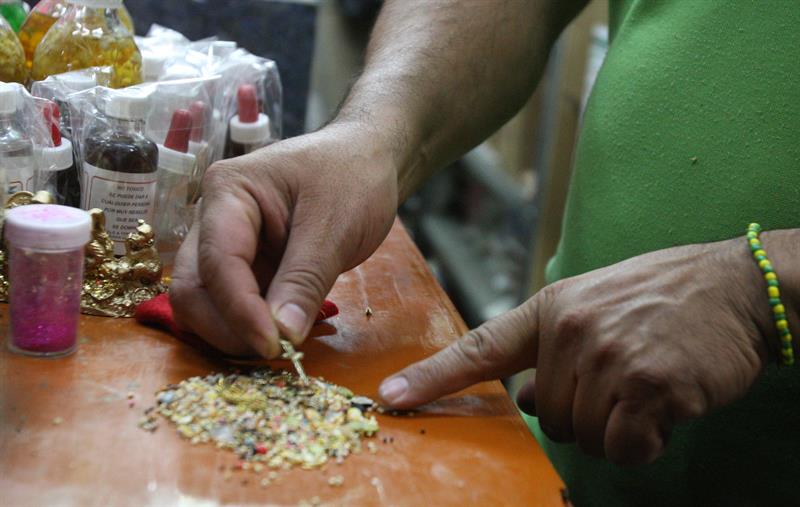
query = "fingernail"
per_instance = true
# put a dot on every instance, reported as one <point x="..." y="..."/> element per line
<point x="292" y="318"/>
<point x="393" y="389"/>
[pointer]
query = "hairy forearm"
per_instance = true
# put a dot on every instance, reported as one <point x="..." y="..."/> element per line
<point x="441" y="75"/>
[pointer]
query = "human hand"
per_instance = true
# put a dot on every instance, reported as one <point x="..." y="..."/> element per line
<point x="622" y="353"/>
<point x="275" y="229"/>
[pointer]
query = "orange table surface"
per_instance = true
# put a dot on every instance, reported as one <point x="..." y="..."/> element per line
<point x="471" y="448"/>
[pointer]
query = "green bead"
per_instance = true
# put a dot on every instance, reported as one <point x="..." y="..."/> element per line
<point x="752" y="234"/>
<point x="768" y="269"/>
<point x="786" y="332"/>
<point x="773" y="283"/>
<point x="755" y="245"/>
<point x="774" y="301"/>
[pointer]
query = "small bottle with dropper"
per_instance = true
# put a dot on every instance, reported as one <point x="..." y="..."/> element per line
<point x="16" y="147"/>
<point x="249" y="130"/>
<point x="57" y="171"/>
<point x="175" y="169"/>
<point x="119" y="166"/>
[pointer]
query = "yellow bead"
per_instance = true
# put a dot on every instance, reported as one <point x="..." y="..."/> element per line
<point x="754" y="242"/>
<point x="778" y="309"/>
<point x="770" y="276"/>
<point x="764" y="264"/>
<point x="782" y="324"/>
<point x="773" y="292"/>
<point x="759" y="252"/>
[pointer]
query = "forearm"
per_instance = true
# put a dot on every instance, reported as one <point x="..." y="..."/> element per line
<point x="442" y="75"/>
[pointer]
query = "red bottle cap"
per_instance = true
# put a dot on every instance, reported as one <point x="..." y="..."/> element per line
<point x="179" y="131"/>
<point x="198" y="110"/>
<point x="52" y="117"/>
<point x="248" y="103"/>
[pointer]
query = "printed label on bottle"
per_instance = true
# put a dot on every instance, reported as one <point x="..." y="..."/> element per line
<point x="124" y="197"/>
<point x="19" y="174"/>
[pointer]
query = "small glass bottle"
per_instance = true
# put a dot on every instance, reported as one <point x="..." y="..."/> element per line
<point x="57" y="171"/>
<point x="89" y="34"/>
<point x="12" y="58"/>
<point x="175" y="168"/>
<point x="119" y="166"/>
<point x="45" y="265"/>
<point x="43" y="16"/>
<point x="249" y="130"/>
<point x="16" y="148"/>
<point x="14" y="11"/>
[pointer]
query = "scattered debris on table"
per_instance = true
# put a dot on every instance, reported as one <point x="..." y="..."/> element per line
<point x="368" y="312"/>
<point x="267" y="417"/>
<point x="336" y="481"/>
<point x="57" y="420"/>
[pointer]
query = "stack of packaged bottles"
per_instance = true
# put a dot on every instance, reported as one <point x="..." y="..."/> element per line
<point x="107" y="125"/>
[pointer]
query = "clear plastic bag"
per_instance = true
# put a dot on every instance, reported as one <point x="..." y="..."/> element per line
<point x="25" y="135"/>
<point x="134" y="155"/>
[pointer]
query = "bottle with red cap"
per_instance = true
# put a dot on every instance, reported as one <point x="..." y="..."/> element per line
<point x="58" y="173"/>
<point x="176" y="167"/>
<point x="249" y="130"/>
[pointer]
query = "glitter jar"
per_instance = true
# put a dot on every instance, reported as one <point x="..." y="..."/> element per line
<point x="45" y="265"/>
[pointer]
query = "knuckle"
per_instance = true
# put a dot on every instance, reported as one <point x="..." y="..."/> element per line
<point x="310" y="283"/>
<point x="572" y="323"/>
<point x="478" y="349"/>
<point x="647" y="380"/>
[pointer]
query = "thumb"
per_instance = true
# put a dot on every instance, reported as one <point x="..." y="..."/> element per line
<point x="497" y="349"/>
<point x="307" y="271"/>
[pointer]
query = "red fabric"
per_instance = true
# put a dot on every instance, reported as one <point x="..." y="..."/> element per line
<point x="158" y="312"/>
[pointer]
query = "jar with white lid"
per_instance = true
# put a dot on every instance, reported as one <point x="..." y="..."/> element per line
<point x="45" y="266"/>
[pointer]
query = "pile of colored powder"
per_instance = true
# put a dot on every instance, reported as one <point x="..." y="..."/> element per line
<point x="267" y="416"/>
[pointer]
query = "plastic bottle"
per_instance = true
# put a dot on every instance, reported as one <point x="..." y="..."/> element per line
<point x="73" y="82"/>
<point x="119" y="166"/>
<point x="16" y="148"/>
<point x="249" y="130"/>
<point x="89" y="34"/>
<point x="57" y="171"/>
<point x="14" y="11"/>
<point x="43" y="16"/>
<point x="45" y="252"/>
<point x="12" y="58"/>
<point x="175" y="169"/>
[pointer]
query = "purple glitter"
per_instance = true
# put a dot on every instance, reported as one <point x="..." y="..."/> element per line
<point x="44" y="294"/>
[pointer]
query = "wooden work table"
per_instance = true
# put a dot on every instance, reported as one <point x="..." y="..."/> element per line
<point x="69" y="437"/>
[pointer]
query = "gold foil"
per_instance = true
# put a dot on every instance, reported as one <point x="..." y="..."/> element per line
<point x="112" y="286"/>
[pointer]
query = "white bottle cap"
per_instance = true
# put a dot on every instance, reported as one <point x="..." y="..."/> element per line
<point x="250" y="133"/>
<point x="175" y="161"/>
<point x="128" y="104"/>
<point x="152" y="65"/>
<point x="48" y="227"/>
<point x="56" y="158"/>
<point x="8" y="98"/>
<point x="78" y="80"/>
<point x="98" y="4"/>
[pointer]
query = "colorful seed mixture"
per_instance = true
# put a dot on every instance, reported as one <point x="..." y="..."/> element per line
<point x="267" y="417"/>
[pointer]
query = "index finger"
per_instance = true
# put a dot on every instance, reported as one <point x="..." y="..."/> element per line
<point x="229" y="232"/>
<point x="500" y="347"/>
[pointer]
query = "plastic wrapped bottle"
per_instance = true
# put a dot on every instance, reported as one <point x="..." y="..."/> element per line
<point x="249" y="130"/>
<point x="89" y="34"/>
<point x="57" y="171"/>
<point x="175" y="168"/>
<point x="43" y="16"/>
<point x="119" y="166"/>
<point x="16" y="147"/>
<point x="12" y="58"/>
<point x="14" y="11"/>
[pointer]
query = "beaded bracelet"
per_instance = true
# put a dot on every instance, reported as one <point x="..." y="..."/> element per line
<point x="773" y="291"/>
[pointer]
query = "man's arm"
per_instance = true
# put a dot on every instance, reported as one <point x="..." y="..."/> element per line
<point x="441" y="76"/>
<point x="279" y="225"/>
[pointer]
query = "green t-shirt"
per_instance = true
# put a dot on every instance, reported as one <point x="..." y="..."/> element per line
<point x="692" y="132"/>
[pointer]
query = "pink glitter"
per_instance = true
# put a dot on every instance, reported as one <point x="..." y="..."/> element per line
<point x="45" y="292"/>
